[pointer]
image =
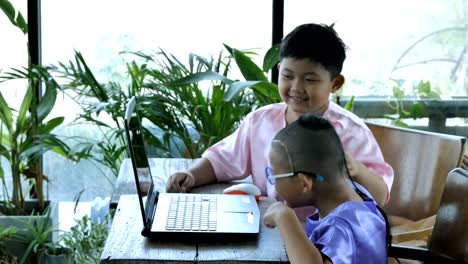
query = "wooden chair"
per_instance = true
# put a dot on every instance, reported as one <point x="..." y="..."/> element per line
<point x="449" y="240"/>
<point x="421" y="162"/>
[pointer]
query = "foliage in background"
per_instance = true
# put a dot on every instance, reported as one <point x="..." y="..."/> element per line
<point x="15" y="17"/>
<point x="187" y="104"/>
<point x="265" y="92"/>
<point x="7" y="233"/>
<point x="86" y="239"/>
<point x="24" y="133"/>
<point x="455" y="54"/>
<point x="197" y="116"/>
<point x="422" y="90"/>
<point x="103" y="107"/>
<point x="37" y="236"/>
<point x="22" y="148"/>
<point x="189" y="107"/>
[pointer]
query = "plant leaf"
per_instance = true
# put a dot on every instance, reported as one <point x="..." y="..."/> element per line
<point x="271" y="58"/>
<point x="4" y="152"/>
<point x="350" y="104"/>
<point x="5" y="114"/>
<point x="50" y="125"/>
<point x="248" y="68"/>
<point x="16" y="18"/>
<point x="424" y="88"/>
<point x="417" y="110"/>
<point x="398" y="93"/>
<point x="21" y="120"/>
<point x="236" y="87"/>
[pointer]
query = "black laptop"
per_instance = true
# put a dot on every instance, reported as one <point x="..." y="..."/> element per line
<point x="185" y="216"/>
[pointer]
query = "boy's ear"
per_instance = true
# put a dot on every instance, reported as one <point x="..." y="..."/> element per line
<point x="338" y="83"/>
<point x="307" y="183"/>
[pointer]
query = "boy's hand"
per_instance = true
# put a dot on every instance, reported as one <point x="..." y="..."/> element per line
<point x="274" y="213"/>
<point x="354" y="166"/>
<point x="464" y="164"/>
<point x="180" y="182"/>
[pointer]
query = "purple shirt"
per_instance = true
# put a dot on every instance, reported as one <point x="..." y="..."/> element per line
<point x="354" y="232"/>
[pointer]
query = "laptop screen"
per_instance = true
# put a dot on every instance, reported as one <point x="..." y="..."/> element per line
<point x="139" y="158"/>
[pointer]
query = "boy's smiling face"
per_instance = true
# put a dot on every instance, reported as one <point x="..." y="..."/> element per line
<point x="305" y="86"/>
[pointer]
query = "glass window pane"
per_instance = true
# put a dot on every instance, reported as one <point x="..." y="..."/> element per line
<point x="102" y="29"/>
<point x="13" y="54"/>
<point x="394" y="40"/>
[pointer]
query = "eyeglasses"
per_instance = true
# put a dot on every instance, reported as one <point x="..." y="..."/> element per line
<point x="272" y="177"/>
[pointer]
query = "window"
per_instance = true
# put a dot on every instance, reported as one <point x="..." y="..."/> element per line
<point x="102" y="29"/>
<point x="400" y="39"/>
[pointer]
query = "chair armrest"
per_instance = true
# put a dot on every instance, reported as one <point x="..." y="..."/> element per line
<point x="408" y="252"/>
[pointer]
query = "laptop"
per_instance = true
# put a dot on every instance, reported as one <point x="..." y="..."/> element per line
<point x="185" y="216"/>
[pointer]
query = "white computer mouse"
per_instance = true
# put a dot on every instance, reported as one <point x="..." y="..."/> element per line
<point x="244" y="188"/>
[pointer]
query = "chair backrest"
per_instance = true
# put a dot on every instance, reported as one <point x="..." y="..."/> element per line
<point x="450" y="235"/>
<point x="421" y="162"/>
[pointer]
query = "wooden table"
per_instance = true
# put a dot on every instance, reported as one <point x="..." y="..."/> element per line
<point x="125" y="244"/>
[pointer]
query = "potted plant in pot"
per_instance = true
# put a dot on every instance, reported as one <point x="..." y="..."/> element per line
<point x="22" y="149"/>
<point x="40" y="249"/>
<point x="25" y="134"/>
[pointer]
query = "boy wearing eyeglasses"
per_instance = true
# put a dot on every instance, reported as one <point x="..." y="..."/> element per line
<point x="309" y="169"/>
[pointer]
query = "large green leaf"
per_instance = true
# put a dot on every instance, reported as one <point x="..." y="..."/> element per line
<point x="47" y="101"/>
<point x="21" y="121"/>
<point x="248" y="68"/>
<point x="16" y="18"/>
<point x="5" y="114"/>
<point x="236" y="87"/>
<point x="271" y="58"/>
<point x="268" y="90"/>
<point x="50" y="125"/>
<point x="88" y="78"/>
<point x="46" y="143"/>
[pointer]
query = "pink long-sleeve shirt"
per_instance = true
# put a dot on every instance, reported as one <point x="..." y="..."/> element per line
<point x="245" y="152"/>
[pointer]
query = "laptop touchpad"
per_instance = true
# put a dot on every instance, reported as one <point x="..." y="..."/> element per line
<point x="238" y="217"/>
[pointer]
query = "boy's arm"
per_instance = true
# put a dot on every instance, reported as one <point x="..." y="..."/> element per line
<point x="298" y="246"/>
<point x="372" y="182"/>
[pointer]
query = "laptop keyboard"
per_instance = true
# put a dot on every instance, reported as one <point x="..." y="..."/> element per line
<point x="192" y="213"/>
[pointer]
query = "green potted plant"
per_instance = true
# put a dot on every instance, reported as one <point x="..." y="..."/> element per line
<point x="25" y="134"/>
<point x="21" y="148"/>
<point x="40" y="246"/>
<point x="86" y="239"/>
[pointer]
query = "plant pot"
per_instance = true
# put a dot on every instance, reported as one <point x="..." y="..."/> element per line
<point x="60" y="255"/>
<point x="17" y="246"/>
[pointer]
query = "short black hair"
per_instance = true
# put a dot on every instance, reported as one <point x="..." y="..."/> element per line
<point x="311" y="144"/>
<point x="317" y="42"/>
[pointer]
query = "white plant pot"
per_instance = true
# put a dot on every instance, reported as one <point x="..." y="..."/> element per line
<point x="18" y="247"/>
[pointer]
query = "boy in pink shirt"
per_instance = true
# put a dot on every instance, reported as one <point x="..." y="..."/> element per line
<point x="311" y="61"/>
